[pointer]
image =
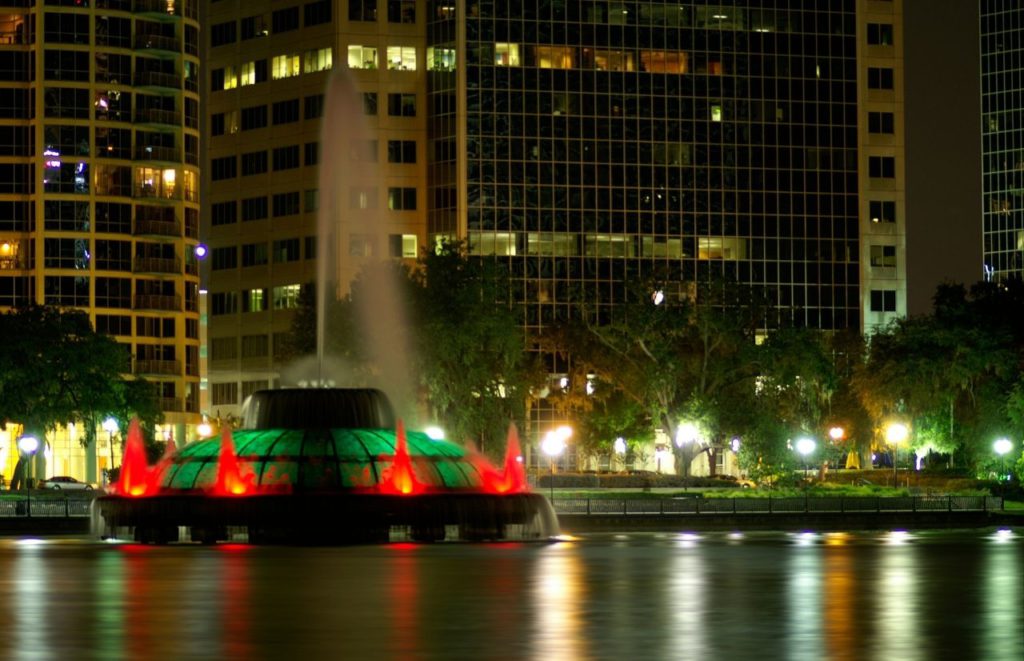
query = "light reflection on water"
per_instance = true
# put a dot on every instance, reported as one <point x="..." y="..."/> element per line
<point x="632" y="596"/>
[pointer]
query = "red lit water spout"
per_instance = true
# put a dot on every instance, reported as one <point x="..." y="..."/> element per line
<point x="156" y="473"/>
<point x="399" y="478"/>
<point x="512" y="479"/>
<point x="134" y="478"/>
<point x="230" y="480"/>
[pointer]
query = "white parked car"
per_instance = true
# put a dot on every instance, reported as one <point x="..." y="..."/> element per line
<point x="60" y="482"/>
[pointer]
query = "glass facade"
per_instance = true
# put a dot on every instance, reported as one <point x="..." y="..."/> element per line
<point x="608" y="140"/>
<point x="1002" y="97"/>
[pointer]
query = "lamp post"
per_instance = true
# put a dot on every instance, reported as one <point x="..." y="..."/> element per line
<point x="805" y="446"/>
<point x="28" y="446"/>
<point x="895" y="434"/>
<point x="1002" y="448"/>
<point x="620" y="450"/>
<point x="110" y="426"/>
<point x="553" y="445"/>
<point x="687" y="432"/>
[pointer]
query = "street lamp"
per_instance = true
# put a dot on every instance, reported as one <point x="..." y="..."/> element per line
<point x="553" y="445"/>
<point x="28" y="446"/>
<point x="805" y="446"/>
<point x="895" y="434"/>
<point x="1002" y="448"/>
<point x="620" y="450"/>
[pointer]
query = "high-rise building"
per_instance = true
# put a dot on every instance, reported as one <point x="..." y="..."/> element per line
<point x="1002" y="150"/>
<point x="582" y="143"/>
<point x="99" y="185"/>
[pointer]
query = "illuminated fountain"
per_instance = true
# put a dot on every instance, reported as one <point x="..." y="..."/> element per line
<point x="322" y="466"/>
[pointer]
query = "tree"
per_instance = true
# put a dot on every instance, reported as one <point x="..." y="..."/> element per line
<point x="476" y="372"/>
<point x="59" y="370"/>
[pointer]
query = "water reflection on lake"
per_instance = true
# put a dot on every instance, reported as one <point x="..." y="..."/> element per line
<point x="636" y="596"/>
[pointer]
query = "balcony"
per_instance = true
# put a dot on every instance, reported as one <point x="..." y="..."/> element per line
<point x="157" y="116"/>
<point x="157" y="193"/>
<point x="11" y="263"/>
<point x="158" y="153"/>
<point x="157" y="42"/>
<point x="157" y="79"/>
<point x="152" y="227"/>
<point x="171" y="404"/>
<point x="160" y="8"/>
<point x="157" y="265"/>
<point x="171" y="303"/>
<point x="157" y="367"/>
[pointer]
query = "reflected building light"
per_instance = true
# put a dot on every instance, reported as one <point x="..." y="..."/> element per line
<point x="803" y="602"/>
<point x="1001" y="584"/>
<point x="898" y="605"/>
<point x="687" y="590"/>
<point x="557" y="599"/>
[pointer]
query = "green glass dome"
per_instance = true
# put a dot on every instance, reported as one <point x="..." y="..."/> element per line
<point x="321" y="460"/>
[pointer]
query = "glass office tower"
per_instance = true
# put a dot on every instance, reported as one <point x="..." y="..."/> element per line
<point x="1002" y="97"/>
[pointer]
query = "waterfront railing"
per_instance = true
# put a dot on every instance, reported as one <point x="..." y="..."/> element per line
<point x="770" y="505"/>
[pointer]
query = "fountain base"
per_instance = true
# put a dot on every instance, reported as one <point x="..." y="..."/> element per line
<point x="327" y="518"/>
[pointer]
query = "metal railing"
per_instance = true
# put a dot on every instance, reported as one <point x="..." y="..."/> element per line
<point x="741" y="506"/>
<point x="46" y="507"/>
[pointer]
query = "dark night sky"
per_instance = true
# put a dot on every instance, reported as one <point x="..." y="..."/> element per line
<point x="943" y="144"/>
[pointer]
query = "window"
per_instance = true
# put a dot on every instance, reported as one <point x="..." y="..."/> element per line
<point x="223" y="303"/>
<point x="880" y="78"/>
<point x="880" y="34"/>
<point x="286" y="250"/>
<point x="285" y="112"/>
<point x="369" y="103"/>
<point x="224" y="258"/>
<point x="313" y="106"/>
<point x="311" y="200"/>
<point x="223" y="348"/>
<point x="311" y="153"/>
<point x="882" y="167"/>
<point x="114" y="293"/>
<point x="113" y="324"/>
<point x="224" y="213"/>
<point x="254" y="163"/>
<point x="401" y="58"/>
<point x="286" y="297"/>
<point x="223" y="33"/>
<point x="286" y="158"/>
<point x="254" y="118"/>
<point x="506" y="55"/>
<point x="254" y="26"/>
<point x="882" y="211"/>
<point x="217" y="124"/>
<point x="883" y="257"/>
<point x="225" y="394"/>
<point x="230" y="77"/>
<point x="883" y="300"/>
<point x="401" y="11"/>
<point x="247" y="74"/>
<point x="254" y="208"/>
<point x="61" y="28"/>
<point x="362" y="245"/>
<point x="66" y="291"/>
<point x="286" y="204"/>
<point x="402" y="105"/>
<point x="402" y="245"/>
<point x="309" y="247"/>
<point x="66" y="103"/>
<point x="362" y="10"/>
<point x="284" y="66"/>
<point x="254" y="300"/>
<point x="317" y="13"/>
<point x="881" y="122"/>
<point x="284" y="20"/>
<point x="402" y="199"/>
<point x="318" y="60"/>
<point x="225" y="167"/>
<point x="254" y="254"/>
<point x="401" y="151"/>
<point x="362" y="57"/>
<point x="440" y="59"/>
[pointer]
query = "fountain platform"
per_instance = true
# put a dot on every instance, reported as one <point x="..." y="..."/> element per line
<point x="323" y="466"/>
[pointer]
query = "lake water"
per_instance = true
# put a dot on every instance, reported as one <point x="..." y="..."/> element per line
<point x="942" y="595"/>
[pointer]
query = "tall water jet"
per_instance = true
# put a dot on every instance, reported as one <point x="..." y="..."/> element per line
<point x="353" y="236"/>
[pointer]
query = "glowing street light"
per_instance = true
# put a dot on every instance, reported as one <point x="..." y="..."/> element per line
<point x="1002" y="447"/>
<point x="28" y="446"/>
<point x="553" y="446"/>
<point x="836" y="433"/>
<point x="805" y="446"/>
<point x="895" y="434"/>
<point x="620" y="450"/>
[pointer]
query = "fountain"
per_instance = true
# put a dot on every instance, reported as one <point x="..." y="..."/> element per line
<point x="349" y="479"/>
<point x="329" y="465"/>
